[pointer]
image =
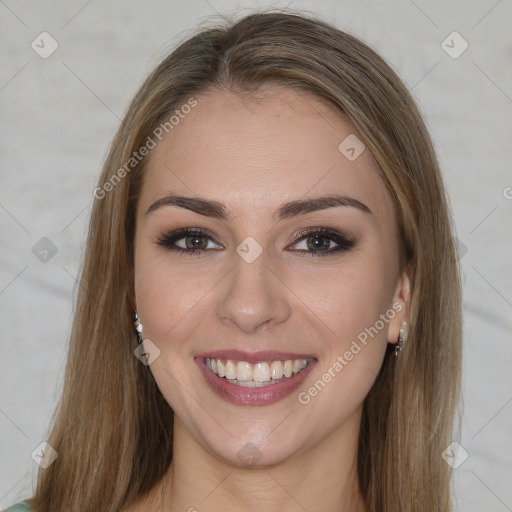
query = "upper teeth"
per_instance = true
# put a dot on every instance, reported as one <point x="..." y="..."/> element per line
<point x="258" y="372"/>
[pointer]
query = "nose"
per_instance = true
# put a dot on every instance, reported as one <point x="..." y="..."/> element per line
<point x="254" y="296"/>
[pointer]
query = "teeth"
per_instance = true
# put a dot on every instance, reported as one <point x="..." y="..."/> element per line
<point x="252" y="374"/>
<point x="243" y="371"/>
<point x="261" y="372"/>
<point x="276" y="370"/>
<point x="221" y="369"/>
<point x="230" y="370"/>
<point x="287" y="369"/>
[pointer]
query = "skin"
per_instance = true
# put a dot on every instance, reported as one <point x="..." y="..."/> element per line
<point x="253" y="157"/>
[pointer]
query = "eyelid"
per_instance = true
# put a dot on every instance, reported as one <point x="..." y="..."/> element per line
<point x="302" y="233"/>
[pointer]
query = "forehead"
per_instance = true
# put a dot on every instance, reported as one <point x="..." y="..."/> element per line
<point x="260" y="151"/>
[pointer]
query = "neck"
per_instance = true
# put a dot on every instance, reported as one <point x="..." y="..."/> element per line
<point x="324" y="478"/>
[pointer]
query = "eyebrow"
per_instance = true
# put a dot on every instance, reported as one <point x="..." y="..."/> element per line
<point x="217" y="210"/>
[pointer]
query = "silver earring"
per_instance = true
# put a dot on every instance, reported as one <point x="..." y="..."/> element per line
<point x="138" y="327"/>
<point x="402" y="338"/>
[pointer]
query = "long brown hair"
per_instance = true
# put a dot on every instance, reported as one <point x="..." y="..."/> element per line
<point x="113" y="429"/>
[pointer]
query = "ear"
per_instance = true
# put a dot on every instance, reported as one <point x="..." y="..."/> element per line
<point x="401" y="304"/>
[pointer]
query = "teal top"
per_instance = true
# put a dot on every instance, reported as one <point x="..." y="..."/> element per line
<point x="19" y="507"/>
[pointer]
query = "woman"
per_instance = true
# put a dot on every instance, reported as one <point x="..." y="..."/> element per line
<point x="269" y="314"/>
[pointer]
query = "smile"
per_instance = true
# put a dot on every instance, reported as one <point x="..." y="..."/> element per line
<point x="245" y="374"/>
<point x="266" y="378"/>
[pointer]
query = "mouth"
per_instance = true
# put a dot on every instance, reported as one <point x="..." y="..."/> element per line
<point x="264" y="373"/>
<point x="254" y="379"/>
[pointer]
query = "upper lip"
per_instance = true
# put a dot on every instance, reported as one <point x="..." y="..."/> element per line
<point x="254" y="357"/>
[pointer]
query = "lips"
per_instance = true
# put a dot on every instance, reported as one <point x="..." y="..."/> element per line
<point x="260" y="391"/>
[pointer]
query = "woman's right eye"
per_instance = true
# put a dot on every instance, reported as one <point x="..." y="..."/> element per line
<point x="188" y="241"/>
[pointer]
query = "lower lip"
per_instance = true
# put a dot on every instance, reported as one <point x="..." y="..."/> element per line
<point x="239" y="395"/>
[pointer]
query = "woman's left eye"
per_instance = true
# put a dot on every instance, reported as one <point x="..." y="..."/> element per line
<point x="313" y="242"/>
<point x="320" y="241"/>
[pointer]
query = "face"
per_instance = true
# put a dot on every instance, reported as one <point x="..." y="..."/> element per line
<point x="294" y="299"/>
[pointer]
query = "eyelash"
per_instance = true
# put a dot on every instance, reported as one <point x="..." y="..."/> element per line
<point x="345" y="243"/>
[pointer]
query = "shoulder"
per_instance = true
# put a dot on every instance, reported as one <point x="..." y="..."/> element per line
<point x="20" y="507"/>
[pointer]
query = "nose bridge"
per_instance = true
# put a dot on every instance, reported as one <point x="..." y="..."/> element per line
<point x="253" y="296"/>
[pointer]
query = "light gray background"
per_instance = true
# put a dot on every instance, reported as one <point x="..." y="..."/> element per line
<point x="59" y="115"/>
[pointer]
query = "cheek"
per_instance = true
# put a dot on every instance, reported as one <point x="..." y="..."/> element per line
<point x="349" y="301"/>
<point x="170" y="303"/>
<point x="167" y="298"/>
<point x="355" y="309"/>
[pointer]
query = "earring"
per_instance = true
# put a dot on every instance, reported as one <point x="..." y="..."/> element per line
<point x="402" y="338"/>
<point x="138" y="327"/>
